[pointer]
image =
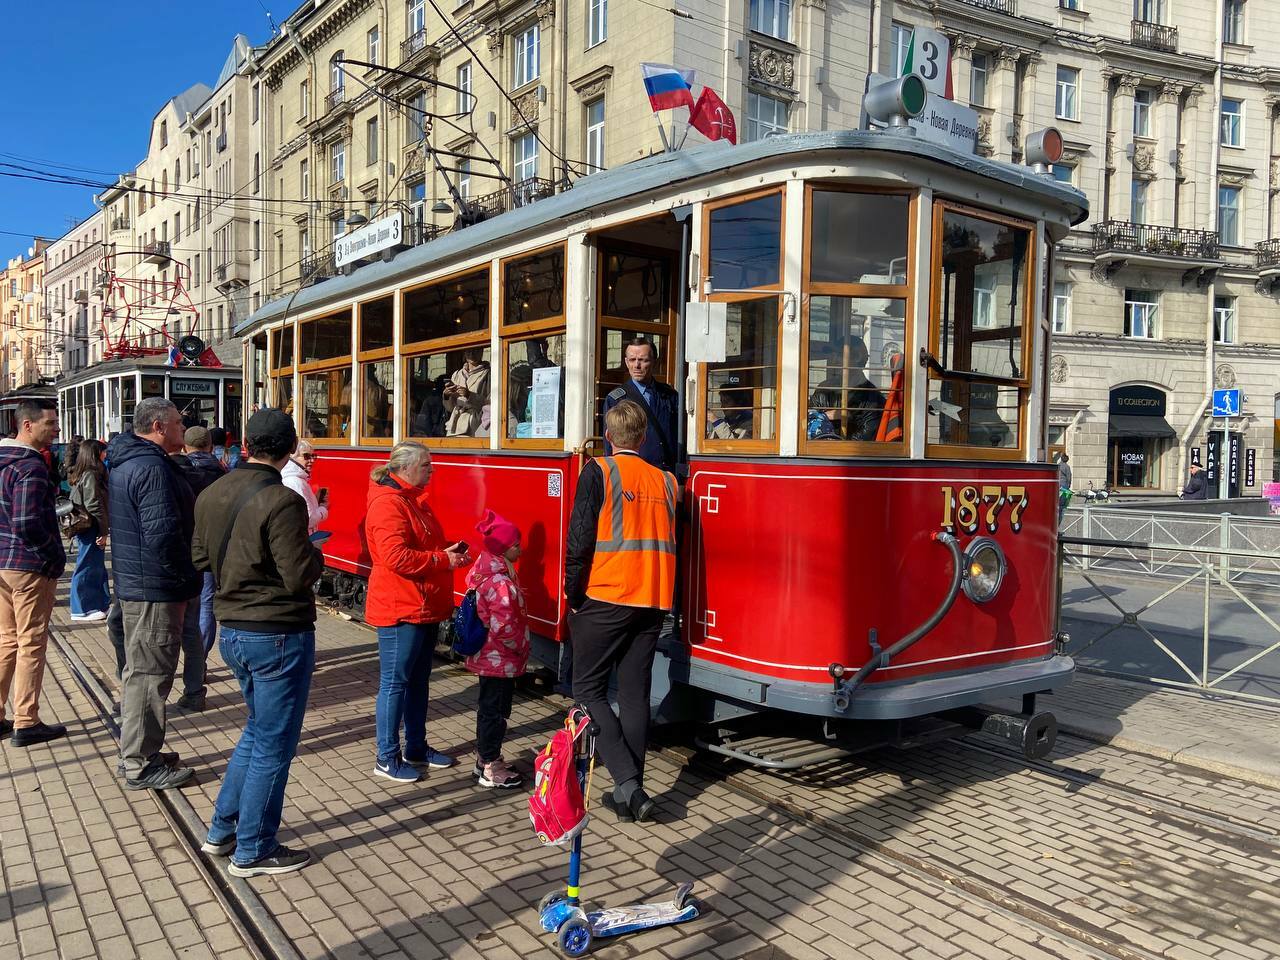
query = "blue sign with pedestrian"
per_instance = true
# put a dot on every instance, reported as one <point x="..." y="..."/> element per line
<point x="1226" y="403"/>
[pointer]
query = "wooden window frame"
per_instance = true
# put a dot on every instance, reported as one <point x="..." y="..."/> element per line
<point x="707" y="444"/>
<point x="274" y="373"/>
<point x="322" y="366"/>
<point x="879" y="291"/>
<point x="518" y="333"/>
<point x="420" y="348"/>
<point x="373" y="356"/>
<point x="1029" y="299"/>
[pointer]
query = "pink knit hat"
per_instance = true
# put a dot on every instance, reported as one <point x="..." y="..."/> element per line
<point x="500" y="535"/>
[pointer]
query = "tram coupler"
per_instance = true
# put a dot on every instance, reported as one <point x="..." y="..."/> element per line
<point x="1034" y="734"/>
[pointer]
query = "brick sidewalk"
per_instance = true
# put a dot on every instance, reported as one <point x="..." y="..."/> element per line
<point x="90" y="869"/>
<point x="443" y="868"/>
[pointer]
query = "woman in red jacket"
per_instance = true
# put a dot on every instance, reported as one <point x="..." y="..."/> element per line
<point x="410" y="594"/>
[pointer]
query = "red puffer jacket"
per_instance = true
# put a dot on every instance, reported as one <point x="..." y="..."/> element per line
<point x="411" y="581"/>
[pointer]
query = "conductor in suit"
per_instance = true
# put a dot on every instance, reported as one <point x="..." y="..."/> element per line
<point x="660" y="403"/>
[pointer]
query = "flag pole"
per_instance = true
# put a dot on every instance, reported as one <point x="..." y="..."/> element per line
<point x="666" y="145"/>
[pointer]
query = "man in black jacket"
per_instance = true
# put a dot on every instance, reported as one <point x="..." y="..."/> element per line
<point x="1196" y="488"/>
<point x="251" y="534"/>
<point x="661" y="403"/>
<point x="152" y="516"/>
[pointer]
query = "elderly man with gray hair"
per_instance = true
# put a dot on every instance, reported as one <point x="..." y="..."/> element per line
<point x="152" y="521"/>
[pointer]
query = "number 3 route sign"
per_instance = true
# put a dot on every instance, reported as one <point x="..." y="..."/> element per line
<point x="1226" y="403"/>
<point x="930" y="57"/>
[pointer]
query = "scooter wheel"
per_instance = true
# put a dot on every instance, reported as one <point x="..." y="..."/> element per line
<point x="575" y="938"/>
<point x="555" y="896"/>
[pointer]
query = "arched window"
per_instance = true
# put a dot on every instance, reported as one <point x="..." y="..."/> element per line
<point x="337" y="79"/>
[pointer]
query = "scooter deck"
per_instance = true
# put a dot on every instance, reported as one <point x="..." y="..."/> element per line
<point x="617" y="921"/>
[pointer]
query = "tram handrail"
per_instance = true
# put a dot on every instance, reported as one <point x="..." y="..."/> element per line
<point x="844" y="690"/>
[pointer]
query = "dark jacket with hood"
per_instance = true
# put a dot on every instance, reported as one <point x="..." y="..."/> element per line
<point x="29" y="536"/>
<point x="270" y="565"/>
<point x="152" y="519"/>
<point x="201" y="468"/>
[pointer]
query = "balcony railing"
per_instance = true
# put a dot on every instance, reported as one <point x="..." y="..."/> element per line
<point x="421" y="232"/>
<point x="314" y="268"/>
<point x="999" y="6"/>
<point x="413" y="45"/>
<point x="119" y="223"/>
<point x="221" y="142"/>
<point x="335" y="99"/>
<point x="1121" y="236"/>
<point x="1267" y="253"/>
<point x="157" y="251"/>
<point x="1154" y="36"/>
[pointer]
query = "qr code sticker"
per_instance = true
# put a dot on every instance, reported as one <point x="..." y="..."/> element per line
<point x="553" y="484"/>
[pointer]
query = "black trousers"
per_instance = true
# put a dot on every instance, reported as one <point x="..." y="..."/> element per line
<point x="115" y="630"/>
<point x="608" y="637"/>
<point x="492" y="712"/>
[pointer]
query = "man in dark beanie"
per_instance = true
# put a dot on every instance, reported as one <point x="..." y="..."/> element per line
<point x="251" y="533"/>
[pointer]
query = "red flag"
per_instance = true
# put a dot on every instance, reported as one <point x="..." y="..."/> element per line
<point x="208" y="358"/>
<point x="712" y="117"/>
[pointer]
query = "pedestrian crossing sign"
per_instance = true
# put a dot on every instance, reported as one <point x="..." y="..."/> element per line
<point x="1226" y="403"/>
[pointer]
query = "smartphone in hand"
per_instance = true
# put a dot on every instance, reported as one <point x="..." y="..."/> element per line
<point x="322" y="495"/>
<point x="320" y="536"/>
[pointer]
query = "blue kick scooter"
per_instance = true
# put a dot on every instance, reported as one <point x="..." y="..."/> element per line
<point x="561" y="913"/>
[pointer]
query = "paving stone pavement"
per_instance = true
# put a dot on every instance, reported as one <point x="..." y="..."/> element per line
<point x="443" y="868"/>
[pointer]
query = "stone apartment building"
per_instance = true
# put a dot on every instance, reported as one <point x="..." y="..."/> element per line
<point x="73" y="300"/>
<point x="26" y="335"/>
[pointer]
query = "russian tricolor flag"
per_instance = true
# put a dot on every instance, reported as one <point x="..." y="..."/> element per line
<point x="668" y="87"/>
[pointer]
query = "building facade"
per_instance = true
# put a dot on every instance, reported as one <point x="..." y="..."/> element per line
<point x="74" y="295"/>
<point x="27" y="346"/>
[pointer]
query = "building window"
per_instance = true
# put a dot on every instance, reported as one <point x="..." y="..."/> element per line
<point x="371" y="141"/>
<point x="1065" y="173"/>
<point x="1142" y="98"/>
<point x="302" y="100"/>
<point x="1138" y="201"/>
<point x="978" y="72"/>
<point x="257" y="172"/>
<point x="1232" y="122"/>
<point x="1224" y="319"/>
<point x="164" y="133"/>
<point x="597" y="22"/>
<point x="374" y="44"/>
<point x="339" y="162"/>
<point x="417" y="17"/>
<point x="1069" y="4"/>
<point x="1233" y="21"/>
<point x="257" y="239"/>
<point x="464" y="179"/>
<point x="772" y="17"/>
<point x="1068" y="87"/>
<point x="465" y="101"/>
<point x="526" y="158"/>
<point x="1150" y="11"/>
<point x="595" y="135"/>
<point x="526" y="56"/>
<point x="1141" y="314"/>
<point x="1061" y="307"/>
<point x="337" y="76"/>
<point x="765" y="115"/>
<point x="899" y="46"/>
<point x="304" y="179"/>
<point x="416" y="117"/>
<point x="257" y="101"/>
<point x="1229" y="216"/>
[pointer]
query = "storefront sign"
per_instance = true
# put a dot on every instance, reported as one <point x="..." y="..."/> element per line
<point x="1137" y="401"/>
<point x="1212" y="452"/>
<point x="1195" y="456"/>
<point x="1233" y="466"/>
<point x="193" y="388"/>
<point x="1133" y="458"/>
<point x="1250" y="466"/>
<point x="369" y="239"/>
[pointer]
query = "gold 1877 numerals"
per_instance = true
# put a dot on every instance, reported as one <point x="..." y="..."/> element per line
<point x="972" y="507"/>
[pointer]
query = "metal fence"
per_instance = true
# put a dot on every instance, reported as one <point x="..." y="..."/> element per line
<point x="1180" y="599"/>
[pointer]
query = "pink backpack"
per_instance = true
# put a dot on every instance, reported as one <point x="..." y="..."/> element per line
<point x="556" y="806"/>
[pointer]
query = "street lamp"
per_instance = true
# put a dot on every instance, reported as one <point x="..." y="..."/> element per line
<point x="441" y="206"/>
<point x="356" y="220"/>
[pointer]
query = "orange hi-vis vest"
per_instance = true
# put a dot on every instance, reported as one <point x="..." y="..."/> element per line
<point x="635" y="558"/>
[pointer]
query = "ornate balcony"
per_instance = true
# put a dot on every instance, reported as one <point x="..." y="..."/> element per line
<point x="157" y="251"/>
<point x="335" y="99"/>
<point x="1121" y="236"/>
<point x="1154" y="36"/>
<point x="1267" y="254"/>
<point x="314" y="268"/>
<point x="999" y="6"/>
<point x="220" y="142"/>
<point x="119" y="223"/>
<point x="417" y="45"/>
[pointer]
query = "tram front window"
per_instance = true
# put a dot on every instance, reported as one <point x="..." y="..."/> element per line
<point x="449" y="393"/>
<point x="742" y="392"/>
<point x="855" y="368"/>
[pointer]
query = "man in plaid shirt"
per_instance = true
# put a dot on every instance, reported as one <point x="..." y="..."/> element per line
<point x="31" y="561"/>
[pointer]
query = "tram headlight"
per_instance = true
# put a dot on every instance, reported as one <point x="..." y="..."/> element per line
<point x="984" y="569"/>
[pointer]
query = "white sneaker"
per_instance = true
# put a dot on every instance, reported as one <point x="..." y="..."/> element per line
<point x="92" y="617"/>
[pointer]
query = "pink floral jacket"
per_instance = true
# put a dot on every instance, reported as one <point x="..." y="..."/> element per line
<point x="500" y="605"/>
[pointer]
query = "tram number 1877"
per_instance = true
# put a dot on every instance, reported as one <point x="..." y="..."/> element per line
<point x="969" y="507"/>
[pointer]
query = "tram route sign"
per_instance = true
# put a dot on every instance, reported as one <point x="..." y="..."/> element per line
<point x="929" y="58"/>
<point x="706" y="332"/>
<point x="372" y="238"/>
<point x="944" y="122"/>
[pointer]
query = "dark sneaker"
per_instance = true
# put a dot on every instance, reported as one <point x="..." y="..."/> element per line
<point x="159" y="776"/>
<point x="283" y="860"/>
<point x="39" y="733"/>
<point x="164" y="756"/>
<point x="6" y="728"/>
<point x="642" y="806"/>
<point x="433" y="759"/>
<point x="396" y="770"/>
<point x="620" y="810"/>
<point x="223" y="849"/>
<point x="193" y="703"/>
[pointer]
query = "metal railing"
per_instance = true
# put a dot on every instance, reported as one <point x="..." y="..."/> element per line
<point x="1267" y="253"/>
<point x="156" y="251"/>
<point x="119" y="223"/>
<point x="335" y="99"/>
<point x="315" y="267"/>
<point x="412" y="45"/>
<point x="1124" y="236"/>
<point x="221" y="142"/>
<point x="999" y="6"/>
<point x="1180" y="599"/>
<point x="1154" y="36"/>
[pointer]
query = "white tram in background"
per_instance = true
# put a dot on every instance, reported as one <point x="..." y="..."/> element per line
<point x="871" y="523"/>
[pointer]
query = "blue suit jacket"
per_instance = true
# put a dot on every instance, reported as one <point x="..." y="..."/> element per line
<point x="666" y="411"/>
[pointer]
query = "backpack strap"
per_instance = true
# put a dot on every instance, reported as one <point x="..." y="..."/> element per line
<point x="237" y="510"/>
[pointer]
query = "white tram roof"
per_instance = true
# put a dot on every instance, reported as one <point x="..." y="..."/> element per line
<point x="662" y="170"/>
<point x="148" y="365"/>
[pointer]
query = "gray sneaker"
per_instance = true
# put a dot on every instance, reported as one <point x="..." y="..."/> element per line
<point x="283" y="860"/>
<point x="165" y="756"/>
<point x="159" y="776"/>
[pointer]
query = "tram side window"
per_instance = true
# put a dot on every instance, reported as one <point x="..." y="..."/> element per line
<point x="535" y="388"/>
<point x="746" y="244"/>
<point x="742" y="392"/>
<point x="327" y="338"/>
<point x="326" y="404"/>
<point x="258" y="371"/>
<point x="377" y="366"/>
<point x="978" y="339"/>
<point x="449" y="393"/>
<point x="533" y="348"/>
<point x="281" y="369"/>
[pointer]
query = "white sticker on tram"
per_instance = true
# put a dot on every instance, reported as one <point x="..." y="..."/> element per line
<point x="900" y="666"/>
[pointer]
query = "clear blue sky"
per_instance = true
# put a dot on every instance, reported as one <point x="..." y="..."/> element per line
<point x="80" y="82"/>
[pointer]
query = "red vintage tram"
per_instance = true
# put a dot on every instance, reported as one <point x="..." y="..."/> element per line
<point x="856" y="325"/>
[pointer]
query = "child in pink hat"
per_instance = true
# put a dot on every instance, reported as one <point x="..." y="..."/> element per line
<point x="501" y="608"/>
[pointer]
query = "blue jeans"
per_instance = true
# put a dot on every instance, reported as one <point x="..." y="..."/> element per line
<point x="274" y="670"/>
<point x="89" y="591"/>
<point x="194" y="657"/>
<point x="404" y="655"/>
<point x="208" y="625"/>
